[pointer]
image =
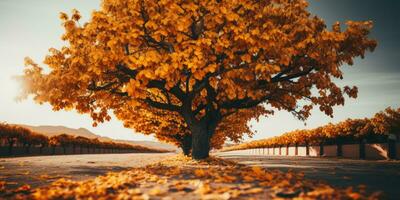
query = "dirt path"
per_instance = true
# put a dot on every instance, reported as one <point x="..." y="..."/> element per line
<point x="375" y="175"/>
<point x="42" y="170"/>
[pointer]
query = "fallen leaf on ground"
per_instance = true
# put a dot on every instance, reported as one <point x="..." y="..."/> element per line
<point x="182" y="178"/>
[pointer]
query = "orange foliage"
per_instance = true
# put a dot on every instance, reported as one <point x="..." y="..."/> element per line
<point x="192" y="64"/>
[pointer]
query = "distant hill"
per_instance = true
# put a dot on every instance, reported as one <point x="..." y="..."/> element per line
<point x="152" y="144"/>
<point x="57" y="130"/>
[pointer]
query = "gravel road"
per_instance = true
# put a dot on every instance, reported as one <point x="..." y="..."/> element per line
<point x="42" y="170"/>
<point x="375" y="175"/>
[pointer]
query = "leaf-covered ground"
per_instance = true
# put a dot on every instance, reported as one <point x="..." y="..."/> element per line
<point x="182" y="178"/>
<point x="39" y="171"/>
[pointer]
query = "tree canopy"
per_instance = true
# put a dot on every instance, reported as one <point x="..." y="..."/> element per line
<point x="196" y="63"/>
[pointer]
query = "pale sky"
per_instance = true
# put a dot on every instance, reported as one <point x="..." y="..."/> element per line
<point x="30" y="28"/>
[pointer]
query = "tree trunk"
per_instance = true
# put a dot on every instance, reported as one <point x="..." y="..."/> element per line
<point x="362" y="149"/>
<point x="202" y="130"/>
<point x="27" y="148"/>
<point x="10" y="147"/>
<point x="339" y="151"/>
<point x="321" y="149"/>
<point x="186" y="145"/>
<point x="287" y="149"/>
<point x="200" y="142"/>
<point x="392" y="147"/>
<point x="41" y="149"/>
<point x="307" y="150"/>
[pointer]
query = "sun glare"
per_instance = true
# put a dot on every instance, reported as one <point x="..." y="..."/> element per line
<point x="14" y="88"/>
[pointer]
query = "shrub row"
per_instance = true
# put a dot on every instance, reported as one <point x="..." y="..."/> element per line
<point x="13" y="134"/>
<point x="384" y="126"/>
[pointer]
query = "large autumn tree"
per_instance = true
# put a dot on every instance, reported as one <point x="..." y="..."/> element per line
<point x="200" y="60"/>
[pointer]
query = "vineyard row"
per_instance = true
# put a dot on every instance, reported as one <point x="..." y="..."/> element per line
<point x="382" y="128"/>
<point x="18" y="140"/>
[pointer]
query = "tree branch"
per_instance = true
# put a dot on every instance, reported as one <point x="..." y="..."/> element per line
<point x="93" y="87"/>
<point x="292" y="76"/>
<point x="162" y="106"/>
<point x="243" y="103"/>
<point x="199" y="108"/>
<point x="150" y="40"/>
